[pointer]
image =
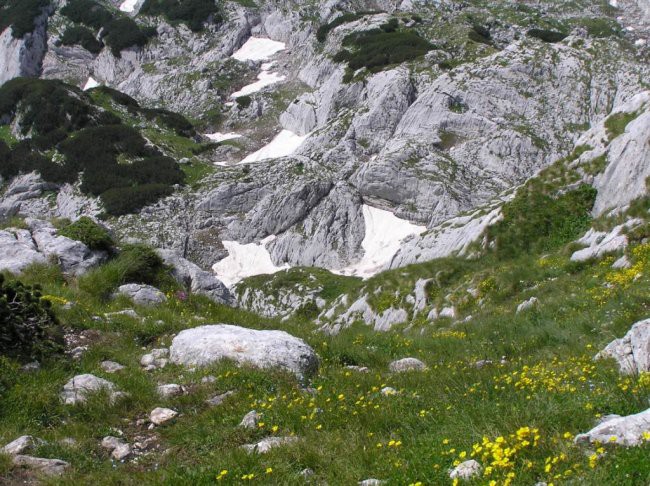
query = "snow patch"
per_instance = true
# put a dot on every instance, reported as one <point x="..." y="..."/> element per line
<point x="245" y="261"/>
<point x="220" y="137"/>
<point x="384" y="235"/>
<point x="264" y="78"/>
<point x="128" y="6"/>
<point x="258" y="49"/>
<point x="283" y="145"/>
<point x="91" y="83"/>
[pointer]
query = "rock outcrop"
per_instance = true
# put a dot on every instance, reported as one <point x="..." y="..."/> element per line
<point x="631" y="430"/>
<point x="632" y="351"/>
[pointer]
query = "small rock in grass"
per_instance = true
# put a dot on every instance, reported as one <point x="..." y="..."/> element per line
<point x="170" y="390"/>
<point x="268" y="443"/>
<point x="359" y="369"/>
<point x="388" y="391"/>
<point x="33" y="366"/>
<point x="407" y="364"/>
<point x="110" y="443"/>
<point x="631" y="430"/>
<point x="208" y="379"/>
<point x="159" y="416"/>
<point x="371" y="482"/>
<point x="21" y="444"/>
<point x="121" y="452"/>
<point x="466" y="470"/>
<point x="250" y="420"/>
<point x="78" y="388"/>
<point x="219" y="399"/>
<point x="48" y="467"/>
<point x="142" y="294"/>
<point x="307" y="472"/>
<point x="111" y="366"/>
<point x="528" y="304"/>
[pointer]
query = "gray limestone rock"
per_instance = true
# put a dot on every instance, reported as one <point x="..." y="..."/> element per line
<point x="142" y="294"/>
<point x="632" y="351"/>
<point x="205" y="345"/>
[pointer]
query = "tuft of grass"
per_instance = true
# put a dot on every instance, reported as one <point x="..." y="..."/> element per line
<point x="615" y="124"/>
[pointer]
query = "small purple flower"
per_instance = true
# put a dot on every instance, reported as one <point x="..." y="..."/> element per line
<point x="181" y="295"/>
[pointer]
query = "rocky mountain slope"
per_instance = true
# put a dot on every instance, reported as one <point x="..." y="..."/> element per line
<point x="233" y="228"/>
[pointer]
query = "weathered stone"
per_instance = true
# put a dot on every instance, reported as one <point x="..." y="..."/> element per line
<point x="80" y="387"/>
<point x="268" y="443"/>
<point x="631" y="430"/>
<point x="159" y="416"/>
<point x="407" y="364"/>
<point x="205" y="345"/>
<point x="142" y="294"/>
<point x="466" y="470"/>
<point x="632" y="351"/>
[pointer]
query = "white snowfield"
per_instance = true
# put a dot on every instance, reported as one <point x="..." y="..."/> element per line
<point x="128" y="6"/>
<point x="221" y="137"/>
<point x="384" y="235"/>
<point x="91" y="83"/>
<point x="283" y="145"/>
<point x="245" y="261"/>
<point x="258" y="49"/>
<point x="264" y="78"/>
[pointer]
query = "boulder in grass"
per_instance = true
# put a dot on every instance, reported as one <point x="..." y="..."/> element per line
<point x="268" y="443"/>
<point x="632" y="351"/>
<point x="631" y="430"/>
<point x="142" y="294"/>
<point x="47" y="467"/>
<point x="407" y="364"/>
<point x="205" y="345"/>
<point x="466" y="470"/>
<point x="80" y="387"/>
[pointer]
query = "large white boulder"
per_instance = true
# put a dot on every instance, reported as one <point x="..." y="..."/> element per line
<point x="631" y="430"/>
<point x="407" y="364"/>
<point x="632" y="351"/>
<point x="205" y="345"/>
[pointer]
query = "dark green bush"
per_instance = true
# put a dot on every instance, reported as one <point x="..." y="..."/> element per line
<point x="601" y="27"/>
<point x="122" y="33"/>
<point x="547" y="35"/>
<point x="244" y="101"/>
<point x="193" y="13"/>
<point x="94" y="143"/>
<point x="91" y="234"/>
<point x="125" y="200"/>
<point x="78" y="35"/>
<point x="46" y="105"/>
<point x="87" y="12"/>
<point x="28" y="327"/>
<point x="537" y="220"/>
<point x="480" y="34"/>
<point x="20" y="15"/>
<point x="377" y="48"/>
<point x="140" y="264"/>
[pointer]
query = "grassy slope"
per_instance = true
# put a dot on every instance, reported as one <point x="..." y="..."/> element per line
<point x="548" y="383"/>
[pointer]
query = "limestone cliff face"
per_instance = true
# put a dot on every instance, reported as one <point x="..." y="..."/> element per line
<point x="23" y="57"/>
<point x="437" y="140"/>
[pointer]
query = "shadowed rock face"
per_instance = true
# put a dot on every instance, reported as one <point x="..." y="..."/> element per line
<point x="205" y="345"/>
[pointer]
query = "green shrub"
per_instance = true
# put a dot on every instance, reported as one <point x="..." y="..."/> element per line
<point x="119" y="32"/>
<point x="547" y="35"/>
<point x="325" y="29"/>
<point x="28" y="327"/>
<point x="93" y="142"/>
<point x="600" y="27"/>
<point x="134" y="264"/>
<point x="78" y="35"/>
<point x="122" y="33"/>
<point x="480" y="34"/>
<point x="193" y="13"/>
<point x="617" y="123"/>
<point x="90" y="233"/>
<point x="20" y="15"/>
<point x="537" y="220"/>
<point x="377" y="48"/>
<point x="125" y="200"/>
<point x="244" y="101"/>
